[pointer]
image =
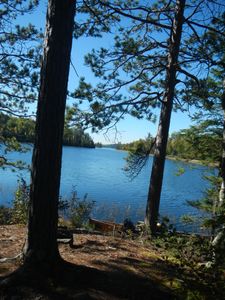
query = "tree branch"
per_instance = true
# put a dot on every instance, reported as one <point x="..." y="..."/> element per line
<point x="121" y="12"/>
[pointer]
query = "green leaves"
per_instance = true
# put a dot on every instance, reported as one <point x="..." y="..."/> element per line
<point x="21" y="203"/>
<point x="138" y="155"/>
<point x="129" y="70"/>
<point x="132" y="69"/>
<point x="19" y="56"/>
<point x="201" y="142"/>
<point x="76" y="209"/>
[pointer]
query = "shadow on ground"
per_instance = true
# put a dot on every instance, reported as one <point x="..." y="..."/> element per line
<point x="80" y="282"/>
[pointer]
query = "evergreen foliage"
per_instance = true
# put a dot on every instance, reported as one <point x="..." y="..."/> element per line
<point x="132" y="70"/>
<point x="134" y="79"/>
<point x="21" y="203"/>
<point x="138" y="155"/>
<point x="201" y="142"/>
<point x="18" y="213"/>
<point x="210" y="96"/>
<point x="77" y="210"/>
<point x="149" y="65"/>
<point x="20" y="57"/>
<point x="75" y="136"/>
<point x="20" y="62"/>
<point x="14" y="130"/>
<point x="141" y="145"/>
<point x="22" y="129"/>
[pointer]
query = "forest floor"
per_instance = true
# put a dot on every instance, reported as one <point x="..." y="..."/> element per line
<point x="101" y="267"/>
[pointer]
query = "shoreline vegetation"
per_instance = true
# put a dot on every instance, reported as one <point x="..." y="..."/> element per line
<point x="181" y="145"/>
<point x="22" y="130"/>
<point x="176" y="264"/>
<point x="168" y="156"/>
<point x="195" y="145"/>
<point x="193" y="161"/>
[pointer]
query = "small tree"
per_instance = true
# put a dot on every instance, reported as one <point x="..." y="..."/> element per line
<point x="21" y="203"/>
<point x="78" y="210"/>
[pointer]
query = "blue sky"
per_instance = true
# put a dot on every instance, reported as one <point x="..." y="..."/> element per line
<point x="130" y="128"/>
<point x="126" y="130"/>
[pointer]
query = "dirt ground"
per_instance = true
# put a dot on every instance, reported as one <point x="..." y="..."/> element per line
<point x="102" y="267"/>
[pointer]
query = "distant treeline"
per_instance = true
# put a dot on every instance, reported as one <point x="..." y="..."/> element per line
<point x="195" y="143"/>
<point x="140" y="145"/>
<point x="23" y="130"/>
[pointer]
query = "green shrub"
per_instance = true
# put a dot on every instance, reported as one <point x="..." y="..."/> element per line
<point x="80" y="210"/>
<point x="20" y="203"/>
<point x="77" y="210"/>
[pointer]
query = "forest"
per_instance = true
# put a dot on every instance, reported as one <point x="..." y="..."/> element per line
<point x="163" y="56"/>
<point x="198" y="143"/>
<point x="23" y="130"/>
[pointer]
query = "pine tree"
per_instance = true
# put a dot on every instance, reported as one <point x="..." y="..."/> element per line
<point x="41" y="247"/>
<point x="41" y="255"/>
<point x="20" y="58"/>
<point x="210" y="96"/>
<point x="147" y="67"/>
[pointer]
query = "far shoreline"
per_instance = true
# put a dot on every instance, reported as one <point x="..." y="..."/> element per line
<point x="193" y="161"/>
<point x="175" y="158"/>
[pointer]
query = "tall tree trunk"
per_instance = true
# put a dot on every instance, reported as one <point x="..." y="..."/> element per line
<point x="41" y="247"/>
<point x="222" y="169"/>
<point x="220" y="236"/>
<point x="155" y="186"/>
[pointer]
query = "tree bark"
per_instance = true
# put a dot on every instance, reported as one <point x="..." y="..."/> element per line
<point x="155" y="186"/>
<point x="41" y="246"/>
<point x="220" y="236"/>
<point x="222" y="169"/>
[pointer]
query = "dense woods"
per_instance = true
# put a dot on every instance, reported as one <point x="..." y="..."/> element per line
<point x="196" y="143"/>
<point x="23" y="130"/>
<point x="202" y="143"/>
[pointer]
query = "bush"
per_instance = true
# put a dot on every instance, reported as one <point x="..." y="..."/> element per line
<point x="18" y="213"/>
<point x="77" y="210"/>
<point x="21" y="203"/>
<point x="80" y="210"/>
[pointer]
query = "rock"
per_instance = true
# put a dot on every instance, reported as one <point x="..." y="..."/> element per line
<point x="66" y="241"/>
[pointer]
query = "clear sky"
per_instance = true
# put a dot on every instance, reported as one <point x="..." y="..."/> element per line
<point x="128" y="129"/>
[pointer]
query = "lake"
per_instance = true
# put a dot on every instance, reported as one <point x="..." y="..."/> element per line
<point x="99" y="173"/>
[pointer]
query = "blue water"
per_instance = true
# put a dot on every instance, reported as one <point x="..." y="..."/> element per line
<point x="99" y="173"/>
